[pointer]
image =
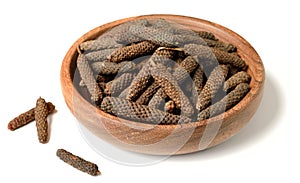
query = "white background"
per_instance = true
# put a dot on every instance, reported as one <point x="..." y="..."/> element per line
<point x="34" y="37"/>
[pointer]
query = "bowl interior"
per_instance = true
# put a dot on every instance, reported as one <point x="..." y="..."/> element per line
<point x="70" y="78"/>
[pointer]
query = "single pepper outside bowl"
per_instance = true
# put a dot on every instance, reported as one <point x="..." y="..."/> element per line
<point x="173" y="138"/>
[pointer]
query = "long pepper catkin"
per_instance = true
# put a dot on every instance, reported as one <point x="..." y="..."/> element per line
<point x="87" y="76"/>
<point x="230" y="100"/>
<point x="130" y="110"/>
<point x="27" y="117"/>
<point x="229" y="58"/>
<point x="121" y="32"/>
<point x="139" y="83"/>
<point x="115" y="86"/>
<point x="240" y="77"/>
<point x="203" y="55"/>
<point x="78" y="162"/>
<point x="100" y="55"/>
<point x="158" y="99"/>
<point x="108" y="68"/>
<point x="133" y="51"/>
<point x="198" y="79"/>
<point x="206" y="35"/>
<point x="148" y="93"/>
<point x="99" y="44"/>
<point x="170" y="86"/>
<point x="221" y="45"/>
<point x="127" y="38"/>
<point x="157" y="36"/>
<point x="215" y="80"/>
<point x="40" y="114"/>
<point x="163" y="56"/>
<point x="184" y="69"/>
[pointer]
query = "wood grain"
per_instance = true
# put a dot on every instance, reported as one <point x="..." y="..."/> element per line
<point x="166" y="139"/>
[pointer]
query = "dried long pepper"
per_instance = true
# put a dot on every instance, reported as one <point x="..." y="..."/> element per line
<point x="78" y="162"/>
<point x="27" y="117"/>
<point x="40" y="114"/>
<point x="130" y="110"/>
<point x="230" y="100"/>
<point x="214" y="82"/>
<point x="87" y="76"/>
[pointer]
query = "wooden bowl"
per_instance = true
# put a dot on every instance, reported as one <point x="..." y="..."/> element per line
<point x="166" y="139"/>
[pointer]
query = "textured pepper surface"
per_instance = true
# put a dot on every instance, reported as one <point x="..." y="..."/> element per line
<point x="108" y="68"/>
<point x="206" y="35"/>
<point x="133" y="51"/>
<point x="148" y="93"/>
<point x="121" y="33"/>
<point x="221" y="45"/>
<point x="99" y="44"/>
<point x="198" y="79"/>
<point x="170" y="86"/>
<point x="229" y="58"/>
<point x="40" y="115"/>
<point x="139" y="83"/>
<point x="203" y="55"/>
<point x="158" y="99"/>
<point x="233" y="81"/>
<point x="130" y="110"/>
<point x="77" y="162"/>
<point x="115" y="86"/>
<point x="27" y="117"/>
<point x="157" y="36"/>
<point x="99" y="56"/>
<point x="160" y="56"/>
<point x="163" y="56"/>
<point x="185" y="68"/>
<point x="87" y="76"/>
<point x="230" y="100"/>
<point x="211" y="87"/>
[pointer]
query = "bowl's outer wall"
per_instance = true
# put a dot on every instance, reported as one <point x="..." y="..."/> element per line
<point x="181" y="139"/>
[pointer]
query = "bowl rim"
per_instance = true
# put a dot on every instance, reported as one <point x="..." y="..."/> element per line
<point x="251" y="95"/>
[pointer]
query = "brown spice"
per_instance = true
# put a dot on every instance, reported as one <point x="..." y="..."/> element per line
<point x="130" y="110"/>
<point x="133" y="51"/>
<point x="99" y="44"/>
<point x="87" y="76"/>
<point x="158" y="99"/>
<point x="157" y="36"/>
<point x="77" y="162"/>
<point x="148" y="93"/>
<point x="230" y="100"/>
<point x="108" y="68"/>
<point x="214" y="82"/>
<point x="99" y="56"/>
<point x="229" y="58"/>
<point x="206" y="35"/>
<point x="122" y="35"/>
<point x="170" y="86"/>
<point x="185" y="68"/>
<point x="198" y="79"/>
<point x="221" y="45"/>
<point x="139" y="83"/>
<point x="233" y="81"/>
<point x="40" y="114"/>
<point x="203" y="55"/>
<point x="164" y="56"/>
<point x="27" y="117"/>
<point x="115" y="86"/>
